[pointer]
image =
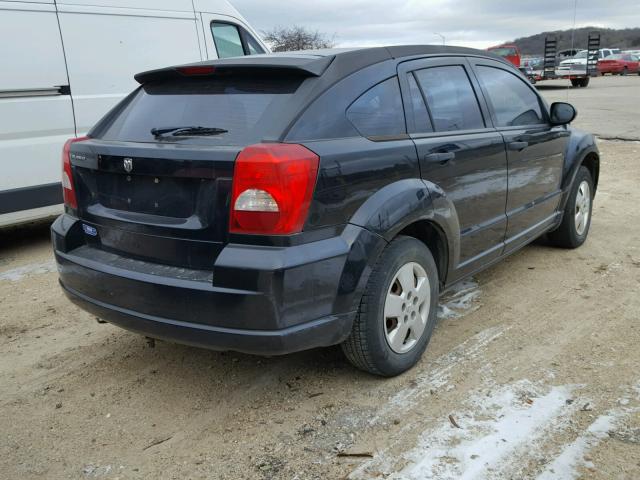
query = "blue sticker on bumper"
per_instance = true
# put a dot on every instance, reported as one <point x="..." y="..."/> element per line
<point x="89" y="230"/>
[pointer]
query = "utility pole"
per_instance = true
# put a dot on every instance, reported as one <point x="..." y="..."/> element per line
<point x="440" y="35"/>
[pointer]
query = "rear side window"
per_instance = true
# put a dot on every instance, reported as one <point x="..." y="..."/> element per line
<point x="514" y="103"/>
<point x="450" y="98"/>
<point x="227" y="39"/>
<point x="243" y="106"/>
<point x="378" y="111"/>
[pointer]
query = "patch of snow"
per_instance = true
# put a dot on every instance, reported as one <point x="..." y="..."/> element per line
<point x="437" y="373"/>
<point x="459" y="300"/>
<point x="564" y="466"/>
<point x="501" y="423"/>
<point x="17" y="274"/>
<point x="495" y="429"/>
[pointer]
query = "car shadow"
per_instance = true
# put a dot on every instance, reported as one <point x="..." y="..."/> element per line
<point x="25" y="235"/>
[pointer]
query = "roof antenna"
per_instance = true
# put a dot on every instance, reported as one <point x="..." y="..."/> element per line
<point x="573" y="33"/>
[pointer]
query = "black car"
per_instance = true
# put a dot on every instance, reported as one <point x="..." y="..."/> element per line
<point x="277" y="203"/>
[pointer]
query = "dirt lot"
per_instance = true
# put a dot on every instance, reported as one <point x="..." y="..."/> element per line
<point x="533" y="372"/>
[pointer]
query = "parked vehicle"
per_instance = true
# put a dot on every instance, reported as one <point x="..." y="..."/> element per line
<point x="578" y="64"/>
<point x="533" y="69"/>
<point x="510" y="53"/>
<point x="619" y="64"/>
<point x="66" y="63"/>
<point x="554" y="67"/>
<point x="277" y="203"/>
<point x="566" y="54"/>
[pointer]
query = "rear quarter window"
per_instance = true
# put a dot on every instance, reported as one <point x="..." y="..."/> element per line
<point x="244" y="106"/>
<point x="379" y="111"/>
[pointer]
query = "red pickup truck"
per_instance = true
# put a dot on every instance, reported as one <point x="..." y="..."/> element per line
<point x="508" y="52"/>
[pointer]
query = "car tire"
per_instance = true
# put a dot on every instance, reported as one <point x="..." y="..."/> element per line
<point x="390" y="344"/>
<point x="575" y="82"/>
<point x="576" y="218"/>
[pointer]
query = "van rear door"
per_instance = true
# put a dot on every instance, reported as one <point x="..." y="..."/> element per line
<point x="107" y="45"/>
<point x="36" y="115"/>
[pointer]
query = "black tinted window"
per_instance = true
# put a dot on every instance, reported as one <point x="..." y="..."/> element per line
<point x="243" y="106"/>
<point x="514" y="103"/>
<point x="450" y="98"/>
<point x="420" y="114"/>
<point x="379" y="110"/>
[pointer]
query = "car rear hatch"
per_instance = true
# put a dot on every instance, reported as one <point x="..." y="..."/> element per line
<point x="164" y="197"/>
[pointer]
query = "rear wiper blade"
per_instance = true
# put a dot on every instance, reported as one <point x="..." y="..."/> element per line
<point x="187" y="131"/>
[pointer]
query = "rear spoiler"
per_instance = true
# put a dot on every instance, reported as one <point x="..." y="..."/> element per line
<point x="294" y="65"/>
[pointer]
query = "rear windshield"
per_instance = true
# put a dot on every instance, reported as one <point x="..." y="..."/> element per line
<point x="244" y="107"/>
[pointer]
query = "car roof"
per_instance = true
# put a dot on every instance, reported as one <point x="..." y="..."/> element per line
<point x="343" y="61"/>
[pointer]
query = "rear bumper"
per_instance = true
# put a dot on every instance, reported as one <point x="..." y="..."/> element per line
<point x="323" y="332"/>
<point x="262" y="300"/>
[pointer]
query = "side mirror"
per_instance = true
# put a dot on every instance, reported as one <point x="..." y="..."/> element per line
<point x="562" y="113"/>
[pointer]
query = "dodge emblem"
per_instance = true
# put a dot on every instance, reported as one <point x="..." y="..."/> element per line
<point x="128" y="164"/>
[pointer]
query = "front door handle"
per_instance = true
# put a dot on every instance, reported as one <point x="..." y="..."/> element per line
<point x="442" y="157"/>
<point x="518" y="145"/>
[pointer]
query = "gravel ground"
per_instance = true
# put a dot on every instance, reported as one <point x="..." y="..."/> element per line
<point x="532" y="372"/>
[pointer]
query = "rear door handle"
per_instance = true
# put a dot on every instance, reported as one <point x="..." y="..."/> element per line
<point x="442" y="157"/>
<point x="518" y="145"/>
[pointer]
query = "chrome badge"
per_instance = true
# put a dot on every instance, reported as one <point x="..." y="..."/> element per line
<point x="128" y="164"/>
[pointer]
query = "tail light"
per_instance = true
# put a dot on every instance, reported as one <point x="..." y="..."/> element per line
<point x="68" y="190"/>
<point x="272" y="188"/>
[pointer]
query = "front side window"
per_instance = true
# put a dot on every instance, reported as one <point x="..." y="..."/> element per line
<point x="379" y="111"/>
<point x="227" y="40"/>
<point x="450" y="98"/>
<point x="514" y="103"/>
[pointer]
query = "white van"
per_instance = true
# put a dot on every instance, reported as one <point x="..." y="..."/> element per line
<point x="65" y="63"/>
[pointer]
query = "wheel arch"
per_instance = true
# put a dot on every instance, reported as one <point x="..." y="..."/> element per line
<point x="415" y="208"/>
<point x="592" y="162"/>
<point x="434" y="238"/>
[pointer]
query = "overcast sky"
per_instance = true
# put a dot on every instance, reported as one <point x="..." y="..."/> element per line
<point x="471" y="23"/>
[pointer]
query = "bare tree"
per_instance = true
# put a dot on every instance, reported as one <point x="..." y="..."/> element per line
<point x="296" y="37"/>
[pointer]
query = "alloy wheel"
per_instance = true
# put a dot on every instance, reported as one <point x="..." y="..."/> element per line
<point x="406" y="308"/>
<point x="583" y="207"/>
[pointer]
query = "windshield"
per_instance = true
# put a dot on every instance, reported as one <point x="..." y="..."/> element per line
<point x="582" y="54"/>
<point x="237" y="109"/>
<point x="503" y="51"/>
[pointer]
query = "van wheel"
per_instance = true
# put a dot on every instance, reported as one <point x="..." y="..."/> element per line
<point x="575" y="82"/>
<point x="576" y="220"/>
<point x="397" y="312"/>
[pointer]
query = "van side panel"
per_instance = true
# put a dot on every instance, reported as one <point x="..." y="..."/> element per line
<point x="36" y="114"/>
<point x="106" y="46"/>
